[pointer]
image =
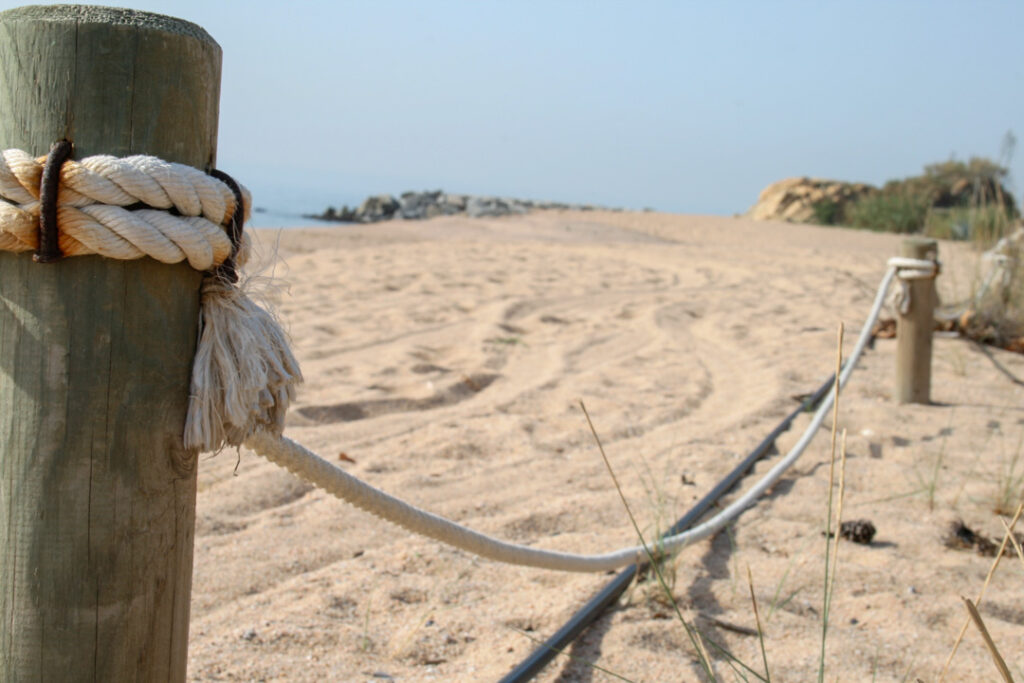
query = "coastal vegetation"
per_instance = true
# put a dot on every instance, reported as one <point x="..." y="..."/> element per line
<point x="949" y="200"/>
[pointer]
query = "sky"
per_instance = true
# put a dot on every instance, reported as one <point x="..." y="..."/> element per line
<point x="684" y="107"/>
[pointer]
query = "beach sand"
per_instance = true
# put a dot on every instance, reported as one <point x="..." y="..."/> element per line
<point x="445" y="361"/>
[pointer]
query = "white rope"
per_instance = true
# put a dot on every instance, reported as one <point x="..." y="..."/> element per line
<point x="309" y="466"/>
<point x="914" y="268"/>
<point x="244" y="373"/>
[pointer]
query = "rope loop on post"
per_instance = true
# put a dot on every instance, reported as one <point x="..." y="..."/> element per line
<point x="243" y="374"/>
<point x="908" y="269"/>
<point x="123" y="208"/>
<point x="913" y="268"/>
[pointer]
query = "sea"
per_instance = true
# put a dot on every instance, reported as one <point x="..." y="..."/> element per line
<point x="265" y="217"/>
<point x="282" y="208"/>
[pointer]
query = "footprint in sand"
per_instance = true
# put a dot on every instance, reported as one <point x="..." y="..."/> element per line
<point x="456" y="392"/>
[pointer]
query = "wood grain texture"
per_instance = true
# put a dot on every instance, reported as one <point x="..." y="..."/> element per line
<point x="915" y="329"/>
<point x="97" y="494"/>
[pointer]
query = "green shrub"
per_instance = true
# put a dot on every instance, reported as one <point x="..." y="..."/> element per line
<point x="890" y="211"/>
<point x="827" y="212"/>
<point x="982" y="224"/>
<point x="978" y="182"/>
<point x="950" y="200"/>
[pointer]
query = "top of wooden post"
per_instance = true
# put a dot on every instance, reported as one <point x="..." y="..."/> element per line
<point x="920" y="247"/>
<point x="113" y="81"/>
<point x="110" y="16"/>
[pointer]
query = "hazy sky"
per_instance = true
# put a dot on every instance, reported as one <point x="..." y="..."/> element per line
<point x="682" y="106"/>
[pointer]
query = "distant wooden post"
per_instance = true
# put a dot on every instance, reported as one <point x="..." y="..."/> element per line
<point x="915" y="328"/>
<point x="97" y="494"/>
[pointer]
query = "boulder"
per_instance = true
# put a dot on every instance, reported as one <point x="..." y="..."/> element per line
<point x="380" y="207"/>
<point x="798" y="199"/>
<point x="419" y="205"/>
<point x="453" y="203"/>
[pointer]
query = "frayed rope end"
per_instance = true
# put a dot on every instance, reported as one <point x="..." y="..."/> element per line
<point x="244" y="374"/>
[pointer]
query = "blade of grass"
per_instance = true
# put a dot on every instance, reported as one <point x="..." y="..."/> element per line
<point x="574" y="658"/>
<point x="906" y="674"/>
<point x="730" y="658"/>
<point x="981" y="593"/>
<point x="992" y="649"/>
<point x="691" y="631"/>
<point x="838" y="526"/>
<point x="839" y="515"/>
<point x="704" y="651"/>
<point x="1013" y="540"/>
<point x="694" y="638"/>
<point x="828" y="516"/>
<point x="760" y="630"/>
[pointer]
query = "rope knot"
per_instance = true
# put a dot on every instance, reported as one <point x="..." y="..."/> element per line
<point x="244" y="374"/>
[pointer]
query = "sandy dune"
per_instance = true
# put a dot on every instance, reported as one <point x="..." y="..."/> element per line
<point x="447" y="358"/>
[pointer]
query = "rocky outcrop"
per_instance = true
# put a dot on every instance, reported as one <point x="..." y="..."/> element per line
<point x="807" y="200"/>
<point x="428" y="204"/>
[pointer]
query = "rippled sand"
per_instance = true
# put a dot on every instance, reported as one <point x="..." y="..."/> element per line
<point x="446" y="360"/>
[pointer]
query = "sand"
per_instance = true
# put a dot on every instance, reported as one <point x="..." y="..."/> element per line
<point x="445" y="361"/>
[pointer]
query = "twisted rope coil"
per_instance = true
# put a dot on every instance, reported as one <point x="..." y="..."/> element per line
<point x="184" y="212"/>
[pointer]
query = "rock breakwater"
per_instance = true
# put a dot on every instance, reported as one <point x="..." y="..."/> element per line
<point x="428" y="204"/>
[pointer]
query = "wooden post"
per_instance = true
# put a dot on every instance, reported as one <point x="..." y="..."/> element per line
<point x="97" y="493"/>
<point x="915" y="328"/>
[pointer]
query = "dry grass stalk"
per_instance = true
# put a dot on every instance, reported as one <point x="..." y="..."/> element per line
<point x="1013" y="540"/>
<point x="984" y="587"/>
<point x="692" y="632"/>
<point x="839" y="515"/>
<point x="760" y="629"/>
<point x="702" y="649"/>
<point x="828" y="516"/>
<point x="989" y="643"/>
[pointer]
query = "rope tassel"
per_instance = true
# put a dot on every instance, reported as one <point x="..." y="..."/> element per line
<point x="244" y="374"/>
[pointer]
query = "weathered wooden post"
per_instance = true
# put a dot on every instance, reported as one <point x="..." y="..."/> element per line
<point x="915" y="327"/>
<point x="97" y="494"/>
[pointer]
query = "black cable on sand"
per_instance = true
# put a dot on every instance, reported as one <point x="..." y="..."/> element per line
<point x="609" y="595"/>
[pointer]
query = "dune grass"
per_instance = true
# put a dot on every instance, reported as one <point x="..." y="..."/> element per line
<point x="984" y="587"/>
<point x="834" y="510"/>
<point x="656" y="558"/>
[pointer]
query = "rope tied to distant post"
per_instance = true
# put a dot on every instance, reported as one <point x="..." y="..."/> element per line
<point x="908" y="269"/>
<point x="244" y="374"/>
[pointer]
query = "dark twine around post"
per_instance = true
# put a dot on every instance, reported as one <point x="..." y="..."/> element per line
<point x="48" y="247"/>
<point x="228" y="270"/>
